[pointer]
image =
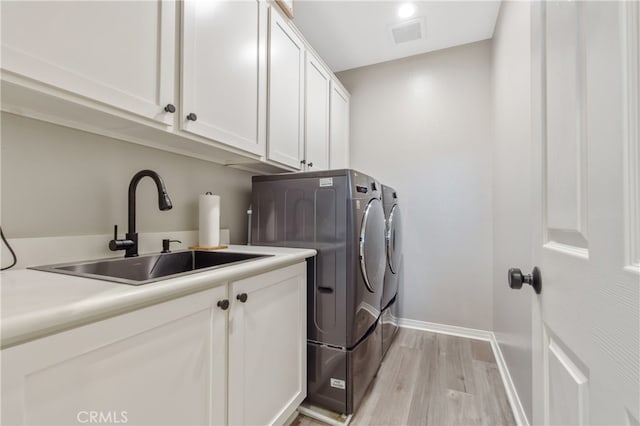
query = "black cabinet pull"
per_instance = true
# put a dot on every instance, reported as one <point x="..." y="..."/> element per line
<point x="170" y="108"/>
<point x="242" y="297"/>
<point x="223" y="304"/>
<point x="311" y="164"/>
<point x="192" y="116"/>
<point x="303" y="162"/>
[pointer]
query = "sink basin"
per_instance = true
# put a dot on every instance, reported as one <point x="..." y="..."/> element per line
<point x="145" y="269"/>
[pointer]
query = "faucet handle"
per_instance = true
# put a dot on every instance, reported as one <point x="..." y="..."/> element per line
<point x="166" y="243"/>
<point x="117" y="244"/>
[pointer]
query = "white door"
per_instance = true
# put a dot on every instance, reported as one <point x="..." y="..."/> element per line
<point x="117" y="53"/>
<point x="267" y="346"/>
<point x="285" y="137"/>
<point x="317" y="82"/>
<point x="224" y="72"/>
<point x="339" y="133"/>
<point x="586" y="174"/>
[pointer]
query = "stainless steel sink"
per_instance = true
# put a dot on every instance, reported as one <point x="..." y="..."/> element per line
<point x="145" y="269"/>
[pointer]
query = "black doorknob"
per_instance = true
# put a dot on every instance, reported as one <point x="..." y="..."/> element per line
<point x="242" y="297"/>
<point x="170" y="108"/>
<point x="517" y="278"/>
<point x="223" y="304"/>
<point x="192" y="116"/>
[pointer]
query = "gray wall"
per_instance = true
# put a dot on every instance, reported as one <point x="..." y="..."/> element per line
<point x="423" y="125"/>
<point x="512" y="196"/>
<point x="61" y="182"/>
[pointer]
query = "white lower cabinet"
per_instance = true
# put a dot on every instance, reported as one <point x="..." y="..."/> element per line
<point x="267" y="347"/>
<point x="186" y="361"/>
<point x="161" y="365"/>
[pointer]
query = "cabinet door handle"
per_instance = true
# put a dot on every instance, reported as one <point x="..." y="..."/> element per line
<point x="223" y="304"/>
<point x="310" y="164"/>
<point x="170" y="108"/>
<point x="242" y="297"/>
<point x="303" y="162"/>
<point x="192" y="116"/>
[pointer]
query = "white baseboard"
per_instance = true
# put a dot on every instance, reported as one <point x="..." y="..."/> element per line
<point x="453" y="330"/>
<point x="473" y="333"/>
<point x="516" y="406"/>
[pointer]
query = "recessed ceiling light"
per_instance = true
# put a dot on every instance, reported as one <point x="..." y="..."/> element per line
<point x="406" y="10"/>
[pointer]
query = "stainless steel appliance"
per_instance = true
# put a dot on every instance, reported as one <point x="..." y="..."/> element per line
<point x="393" y="236"/>
<point x="339" y="213"/>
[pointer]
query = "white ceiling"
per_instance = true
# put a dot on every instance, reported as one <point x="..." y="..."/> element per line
<point x="353" y="33"/>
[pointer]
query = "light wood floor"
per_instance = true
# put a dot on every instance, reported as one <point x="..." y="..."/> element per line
<point x="434" y="379"/>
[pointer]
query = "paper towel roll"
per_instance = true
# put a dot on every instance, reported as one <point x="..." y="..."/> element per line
<point x="209" y="234"/>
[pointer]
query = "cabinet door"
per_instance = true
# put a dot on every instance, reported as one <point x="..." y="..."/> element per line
<point x="161" y="365"/>
<point x="317" y="88"/>
<point x="224" y="72"/>
<point x="286" y="93"/>
<point x="118" y="53"/>
<point x="267" y="347"/>
<point x="339" y="133"/>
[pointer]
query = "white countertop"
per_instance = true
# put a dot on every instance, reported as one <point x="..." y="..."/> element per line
<point x="36" y="303"/>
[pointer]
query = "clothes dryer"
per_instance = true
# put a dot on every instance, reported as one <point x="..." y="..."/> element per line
<point x="393" y="237"/>
<point x="338" y="213"/>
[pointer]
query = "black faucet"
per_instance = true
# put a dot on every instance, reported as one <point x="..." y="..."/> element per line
<point x="130" y="243"/>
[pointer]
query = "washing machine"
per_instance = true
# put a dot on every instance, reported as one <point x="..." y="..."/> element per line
<point x="393" y="244"/>
<point x="339" y="213"/>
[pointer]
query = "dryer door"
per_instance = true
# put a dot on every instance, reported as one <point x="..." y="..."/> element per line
<point x="372" y="246"/>
<point x="394" y="239"/>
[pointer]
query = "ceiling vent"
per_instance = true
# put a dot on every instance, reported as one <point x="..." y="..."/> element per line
<point x="408" y="31"/>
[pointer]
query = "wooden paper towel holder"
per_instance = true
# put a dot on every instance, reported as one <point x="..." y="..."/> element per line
<point x="207" y="248"/>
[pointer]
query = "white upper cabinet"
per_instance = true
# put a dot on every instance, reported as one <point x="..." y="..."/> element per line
<point x="224" y="72"/>
<point x="220" y="80"/>
<point x="121" y="54"/>
<point x="317" y="88"/>
<point x="285" y="140"/>
<point x="339" y="129"/>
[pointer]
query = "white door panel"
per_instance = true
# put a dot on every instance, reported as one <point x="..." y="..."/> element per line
<point x="267" y="346"/>
<point x="566" y="153"/>
<point x="339" y="124"/>
<point x="317" y="82"/>
<point x="568" y="390"/>
<point x="632" y="136"/>
<point x="161" y="365"/>
<point x="124" y="58"/>
<point x="586" y="320"/>
<point x="285" y="135"/>
<point x="224" y="71"/>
